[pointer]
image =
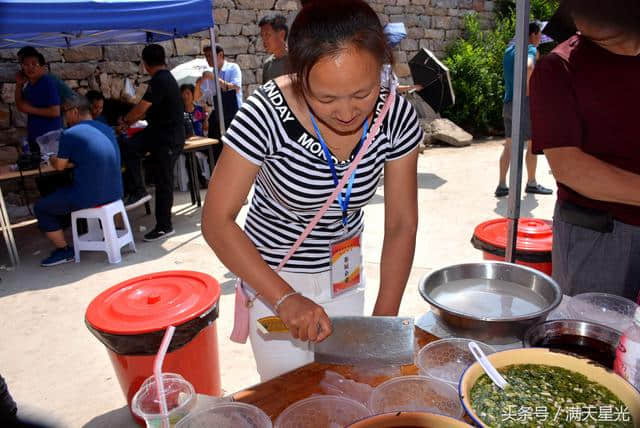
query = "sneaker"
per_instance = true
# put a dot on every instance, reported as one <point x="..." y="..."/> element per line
<point x="157" y="234"/>
<point x="59" y="256"/>
<point x="133" y="201"/>
<point x="538" y="188"/>
<point x="501" y="191"/>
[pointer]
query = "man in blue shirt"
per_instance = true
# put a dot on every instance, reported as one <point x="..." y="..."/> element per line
<point x="230" y="84"/>
<point x="91" y="148"/>
<point x="508" y="69"/>
<point x="40" y="99"/>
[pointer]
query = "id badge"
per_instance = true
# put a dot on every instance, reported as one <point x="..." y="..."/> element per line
<point x="346" y="264"/>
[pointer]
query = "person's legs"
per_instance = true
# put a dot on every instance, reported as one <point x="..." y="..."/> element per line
<point x="505" y="158"/>
<point x="531" y="161"/>
<point x="133" y="150"/>
<point x="164" y="159"/>
<point x="586" y="260"/>
<point x="49" y="211"/>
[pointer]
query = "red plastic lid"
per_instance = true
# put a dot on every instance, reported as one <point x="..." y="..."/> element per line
<point x="153" y="302"/>
<point x="534" y="235"/>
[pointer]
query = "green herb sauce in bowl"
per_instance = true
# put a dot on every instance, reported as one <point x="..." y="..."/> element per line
<point x="547" y="396"/>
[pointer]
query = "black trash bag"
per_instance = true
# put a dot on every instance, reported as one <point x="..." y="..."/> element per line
<point x="149" y="343"/>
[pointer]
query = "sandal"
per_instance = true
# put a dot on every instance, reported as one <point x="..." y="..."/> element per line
<point x="538" y="188"/>
<point x="501" y="191"/>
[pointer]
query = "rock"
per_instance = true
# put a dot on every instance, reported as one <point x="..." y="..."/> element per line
<point x="104" y="85"/>
<point x="51" y="54"/>
<point x="446" y="131"/>
<point x="72" y="83"/>
<point x="255" y="4"/>
<point x="234" y="45"/>
<point x="393" y="10"/>
<point x="82" y="54"/>
<point x="434" y="34"/>
<point x="443" y="22"/>
<point x="10" y="54"/>
<point x="5" y="116"/>
<point x="248" y="61"/>
<point x="8" y="155"/>
<point x="140" y="91"/>
<point x="123" y="52"/>
<point x="250" y="30"/>
<point x="402" y="70"/>
<point x="18" y="118"/>
<point x="287" y="5"/>
<point x="248" y="77"/>
<point x="93" y="83"/>
<point x="116" y="84"/>
<point x="416" y="33"/>
<point x="8" y="72"/>
<point x="169" y="48"/>
<point x="119" y="67"/>
<point x="409" y="45"/>
<point x="187" y="47"/>
<point x="242" y="17"/>
<point x="231" y="29"/>
<point x="177" y="60"/>
<point x="220" y="16"/>
<point x="251" y="89"/>
<point x="73" y="71"/>
<point x="9" y="93"/>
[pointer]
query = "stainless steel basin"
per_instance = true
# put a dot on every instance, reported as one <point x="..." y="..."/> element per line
<point x="468" y="309"/>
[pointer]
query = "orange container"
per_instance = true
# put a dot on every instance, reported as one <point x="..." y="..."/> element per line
<point x="533" y="245"/>
<point x="130" y="319"/>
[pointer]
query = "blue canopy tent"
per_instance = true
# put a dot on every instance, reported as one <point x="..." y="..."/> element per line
<point x="74" y="23"/>
<point x="69" y="23"/>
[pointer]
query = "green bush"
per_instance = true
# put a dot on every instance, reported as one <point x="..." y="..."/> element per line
<point x="475" y="65"/>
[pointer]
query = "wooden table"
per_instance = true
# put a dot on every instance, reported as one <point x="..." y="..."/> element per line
<point x="277" y="394"/>
<point x="192" y="145"/>
<point x="7" y="174"/>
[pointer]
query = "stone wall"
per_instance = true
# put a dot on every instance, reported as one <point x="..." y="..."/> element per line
<point x="432" y="24"/>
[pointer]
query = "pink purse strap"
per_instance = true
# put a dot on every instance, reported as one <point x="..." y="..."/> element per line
<point x="345" y="177"/>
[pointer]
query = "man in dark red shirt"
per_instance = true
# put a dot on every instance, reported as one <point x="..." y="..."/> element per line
<point x="585" y="118"/>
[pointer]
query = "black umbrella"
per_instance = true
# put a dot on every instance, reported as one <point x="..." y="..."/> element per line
<point x="433" y="75"/>
<point x="560" y="26"/>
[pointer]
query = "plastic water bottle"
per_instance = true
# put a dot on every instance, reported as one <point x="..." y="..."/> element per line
<point x="627" y="363"/>
<point x="25" y="145"/>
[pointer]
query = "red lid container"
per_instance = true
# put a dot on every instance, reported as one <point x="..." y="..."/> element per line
<point x="534" y="235"/>
<point x="152" y="302"/>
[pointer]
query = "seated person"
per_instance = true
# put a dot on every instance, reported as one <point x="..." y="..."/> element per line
<point x="195" y="113"/>
<point x="89" y="147"/>
<point x="96" y="102"/>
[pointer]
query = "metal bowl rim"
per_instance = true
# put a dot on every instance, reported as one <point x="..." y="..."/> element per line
<point x="526" y="342"/>
<point x="532" y="315"/>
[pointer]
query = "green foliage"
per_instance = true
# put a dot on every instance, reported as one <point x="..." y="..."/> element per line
<point x="475" y="65"/>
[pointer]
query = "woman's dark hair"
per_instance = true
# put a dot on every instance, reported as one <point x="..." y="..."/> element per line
<point x="623" y="15"/>
<point x="153" y="55"/>
<point x="324" y="28"/>
<point x="93" y="96"/>
<point x="189" y="87"/>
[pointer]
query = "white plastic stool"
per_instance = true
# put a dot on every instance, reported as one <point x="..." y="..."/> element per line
<point x="102" y="234"/>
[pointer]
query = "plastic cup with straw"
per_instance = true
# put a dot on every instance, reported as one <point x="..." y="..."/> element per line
<point x="164" y="398"/>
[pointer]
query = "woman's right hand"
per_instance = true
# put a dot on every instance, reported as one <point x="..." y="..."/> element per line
<point x="305" y="319"/>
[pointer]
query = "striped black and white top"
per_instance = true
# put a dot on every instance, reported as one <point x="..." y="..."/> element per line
<point x="294" y="179"/>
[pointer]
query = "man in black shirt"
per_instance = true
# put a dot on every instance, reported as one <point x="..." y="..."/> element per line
<point x="163" y="138"/>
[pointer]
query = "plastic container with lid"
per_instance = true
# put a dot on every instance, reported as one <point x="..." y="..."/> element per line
<point x="130" y="319"/>
<point x="180" y="398"/>
<point x="533" y="246"/>
<point x="416" y="394"/>
<point x="227" y="415"/>
<point x="447" y="359"/>
<point x="322" y="411"/>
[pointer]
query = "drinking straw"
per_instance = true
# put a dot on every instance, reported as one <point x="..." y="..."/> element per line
<point x="157" y="373"/>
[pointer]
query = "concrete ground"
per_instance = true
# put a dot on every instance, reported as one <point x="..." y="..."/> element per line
<point x="58" y="372"/>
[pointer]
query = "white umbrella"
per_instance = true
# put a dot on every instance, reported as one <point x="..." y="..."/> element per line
<point x="190" y="71"/>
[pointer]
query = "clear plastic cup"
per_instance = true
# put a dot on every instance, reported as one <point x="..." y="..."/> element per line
<point x="323" y="411"/>
<point x="179" y="394"/>
<point x="416" y="394"/>
<point x="608" y="309"/>
<point x="447" y="359"/>
<point x="227" y="415"/>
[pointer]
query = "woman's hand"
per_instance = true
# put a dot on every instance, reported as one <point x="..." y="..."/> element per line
<point x="305" y="319"/>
